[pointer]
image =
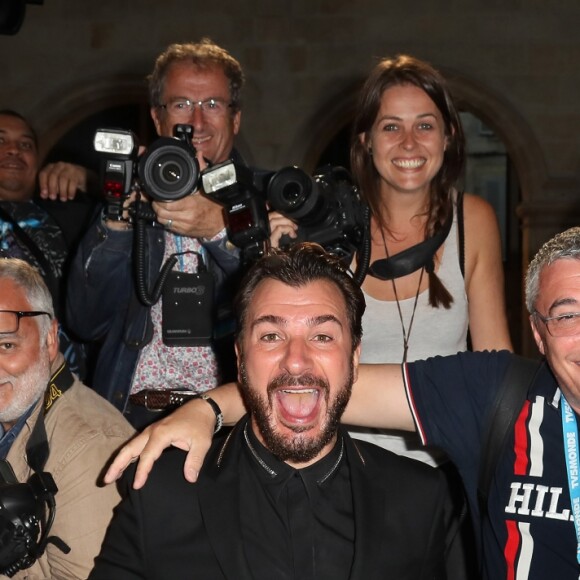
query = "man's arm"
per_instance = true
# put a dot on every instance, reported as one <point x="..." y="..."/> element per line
<point x="100" y="273"/>
<point x="378" y="400"/>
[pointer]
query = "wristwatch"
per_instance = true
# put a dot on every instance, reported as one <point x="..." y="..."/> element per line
<point x="219" y="418"/>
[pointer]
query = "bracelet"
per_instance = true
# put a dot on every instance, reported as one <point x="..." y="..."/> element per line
<point x="219" y="418"/>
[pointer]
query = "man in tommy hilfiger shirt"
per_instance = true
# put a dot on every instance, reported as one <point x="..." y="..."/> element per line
<point x="530" y="531"/>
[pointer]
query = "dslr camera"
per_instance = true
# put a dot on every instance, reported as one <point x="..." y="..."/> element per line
<point x="167" y="171"/>
<point x="326" y="207"/>
<point x="24" y="525"/>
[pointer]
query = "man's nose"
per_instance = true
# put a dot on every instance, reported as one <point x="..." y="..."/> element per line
<point x="10" y="147"/>
<point x="297" y="356"/>
<point x="197" y="118"/>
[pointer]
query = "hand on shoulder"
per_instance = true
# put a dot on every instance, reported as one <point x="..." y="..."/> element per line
<point x="62" y="180"/>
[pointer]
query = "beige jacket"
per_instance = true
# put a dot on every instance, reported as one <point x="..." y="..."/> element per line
<point x="83" y="432"/>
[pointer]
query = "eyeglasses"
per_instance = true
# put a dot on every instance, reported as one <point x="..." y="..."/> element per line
<point x="183" y="108"/>
<point x="567" y="324"/>
<point x="10" y="319"/>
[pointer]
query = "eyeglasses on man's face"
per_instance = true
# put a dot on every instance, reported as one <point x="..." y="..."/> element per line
<point x="10" y="319"/>
<point x="181" y="108"/>
<point x="567" y="324"/>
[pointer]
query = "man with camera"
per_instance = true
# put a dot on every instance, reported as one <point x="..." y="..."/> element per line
<point x="56" y="437"/>
<point x="154" y="354"/>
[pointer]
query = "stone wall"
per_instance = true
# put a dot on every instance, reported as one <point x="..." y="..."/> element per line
<point x="514" y="63"/>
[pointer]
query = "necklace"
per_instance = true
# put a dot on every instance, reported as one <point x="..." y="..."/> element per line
<point x="406" y="331"/>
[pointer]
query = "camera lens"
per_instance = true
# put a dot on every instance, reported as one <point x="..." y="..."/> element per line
<point x="293" y="193"/>
<point x="168" y="175"/>
<point x="168" y="170"/>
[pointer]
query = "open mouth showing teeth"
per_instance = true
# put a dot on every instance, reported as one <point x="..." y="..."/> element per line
<point x="12" y="165"/>
<point x="409" y="163"/>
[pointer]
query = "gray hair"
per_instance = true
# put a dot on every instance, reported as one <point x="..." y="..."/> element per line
<point x="35" y="290"/>
<point x="563" y="246"/>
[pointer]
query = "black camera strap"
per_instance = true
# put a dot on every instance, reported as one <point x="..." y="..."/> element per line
<point x="37" y="447"/>
<point x="413" y="258"/>
<point x="37" y="451"/>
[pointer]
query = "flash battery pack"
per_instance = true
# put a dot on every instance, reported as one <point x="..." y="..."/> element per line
<point x="187" y="309"/>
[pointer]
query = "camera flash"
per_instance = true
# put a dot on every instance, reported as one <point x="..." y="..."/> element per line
<point x="116" y="142"/>
<point x="219" y="176"/>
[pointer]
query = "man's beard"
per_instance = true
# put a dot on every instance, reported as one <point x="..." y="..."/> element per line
<point x="27" y="389"/>
<point x="300" y="448"/>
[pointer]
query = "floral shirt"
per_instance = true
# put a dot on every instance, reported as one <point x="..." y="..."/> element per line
<point x="162" y="367"/>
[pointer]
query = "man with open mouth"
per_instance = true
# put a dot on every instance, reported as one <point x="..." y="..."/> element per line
<point x="287" y="494"/>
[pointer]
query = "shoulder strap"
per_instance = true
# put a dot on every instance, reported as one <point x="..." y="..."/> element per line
<point x="461" y="232"/>
<point x="37" y="446"/>
<point x="412" y="259"/>
<point x="509" y="400"/>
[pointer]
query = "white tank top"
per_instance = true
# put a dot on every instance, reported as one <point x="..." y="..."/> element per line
<point x="436" y="331"/>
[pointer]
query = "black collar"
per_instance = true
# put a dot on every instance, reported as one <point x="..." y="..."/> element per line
<point x="275" y="470"/>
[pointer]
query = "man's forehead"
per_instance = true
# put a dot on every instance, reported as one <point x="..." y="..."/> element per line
<point x="195" y="70"/>
<point x="320" y="297"/>
<point x="10" y="124"/>
<point x="189" y="72"/>
<point x="560" y="283"/>
<point x="12" y="296"/>
<point x="564" y="268"/>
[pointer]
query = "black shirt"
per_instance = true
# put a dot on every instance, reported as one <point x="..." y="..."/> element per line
<point x="296" y="523"/>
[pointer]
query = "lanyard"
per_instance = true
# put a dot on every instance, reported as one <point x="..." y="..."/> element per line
<point x="179" y="247"/>
<point x="180" y="252"/>
<point x="570" y="431"/>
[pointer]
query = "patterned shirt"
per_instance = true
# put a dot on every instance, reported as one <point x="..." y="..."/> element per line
<point x="163" y="367"/>
<point x="43" y="231"/>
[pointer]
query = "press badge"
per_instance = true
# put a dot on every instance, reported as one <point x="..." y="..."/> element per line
<point x="187" y="309"/>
